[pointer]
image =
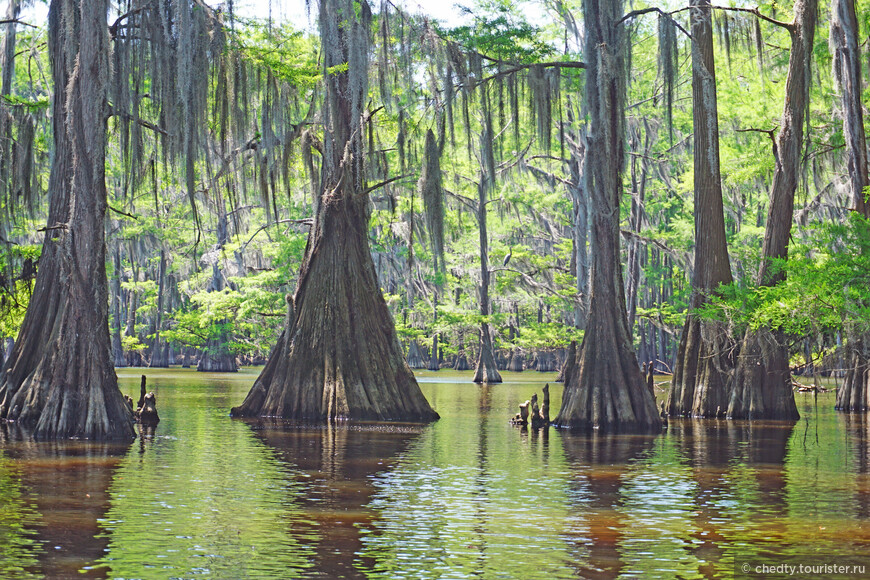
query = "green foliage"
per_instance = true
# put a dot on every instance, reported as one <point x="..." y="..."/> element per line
<point x="827" y="286"/>
<point x="500" y="31"/>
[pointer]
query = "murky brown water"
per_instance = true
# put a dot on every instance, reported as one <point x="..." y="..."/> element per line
<point x="470" y="496"/>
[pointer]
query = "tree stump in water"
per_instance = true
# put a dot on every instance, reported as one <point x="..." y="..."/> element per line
<point x="461" y="363"/>
<point x="147" y="413"/>
<point x="141" y="393"/>
<point x="522" y="418"/>
<point x="540" y="416"/>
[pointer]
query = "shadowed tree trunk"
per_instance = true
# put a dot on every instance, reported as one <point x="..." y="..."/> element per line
<point x="487" y="370"/>
<point x="338" y="356"/>
<point x="59" y="380"/>
<point x="159" y="352"/>
<point x="7" y="49"/>
<point x="762" y="380"/>
<point x="699" y="383"/>
<point x="603" y="385"/>
<point x="117" y="350"/>
<point x="854" y="394"/>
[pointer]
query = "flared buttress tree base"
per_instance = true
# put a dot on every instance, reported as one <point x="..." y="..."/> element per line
<point x="762" y="387"/>
<point x="604" y="389"/>
<point x="698" y="388"/>
<point x="339" y="356"/>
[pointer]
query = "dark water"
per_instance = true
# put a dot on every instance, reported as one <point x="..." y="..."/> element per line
<point x="470" y="496"/>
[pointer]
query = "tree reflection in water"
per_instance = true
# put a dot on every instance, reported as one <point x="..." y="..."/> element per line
<point x="336" y="463"/>
<point x="600" y="465"/>
<point x="64" y="494"/>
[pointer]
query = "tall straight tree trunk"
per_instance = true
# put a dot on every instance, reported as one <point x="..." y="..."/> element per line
<point x="854" y="395"/>
<point x="603" y="385"/>
<point x="117" y="350"/>
<point x="699" y="383"/>
<point x="580" y="227"/>
<point x="158" y="352"/>
<point x="59" y="380"/>
<point x="7" y="49"/>
<point x="216" y="356"/>
<point x="762" y="380"/>
<point x="487" y="370"/>
<point x="338" y="356"/>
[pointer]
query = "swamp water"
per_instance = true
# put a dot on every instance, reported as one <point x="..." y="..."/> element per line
<point x="469" y="496"/>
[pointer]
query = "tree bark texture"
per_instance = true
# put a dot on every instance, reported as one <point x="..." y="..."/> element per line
<point x="699" y="385"/>
<point x="853" y="394"/>
<point x="847" y="73"/>
<point x="338" y="356"/>
<point x="59" y="380"/>
<point x="762" y="380"/>
<point x="486" y="371"/>
<point x="603" y="385"/>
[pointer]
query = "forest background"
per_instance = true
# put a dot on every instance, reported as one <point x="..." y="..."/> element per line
<point x="204" y="239"/>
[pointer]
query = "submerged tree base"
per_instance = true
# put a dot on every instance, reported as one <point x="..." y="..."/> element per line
<point x="698" y="388"/>
<point x="762" y="386"/>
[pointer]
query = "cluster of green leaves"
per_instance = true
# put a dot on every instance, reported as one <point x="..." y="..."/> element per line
<point x="827" y="287"/>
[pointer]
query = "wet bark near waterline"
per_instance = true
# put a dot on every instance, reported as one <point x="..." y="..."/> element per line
<point x="216" y="359"/>
<point x="415" y="356"/>
<point x="59" y="380"/>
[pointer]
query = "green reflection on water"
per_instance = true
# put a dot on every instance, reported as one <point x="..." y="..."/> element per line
<point x="202" y="496"/>
<point x="18" y="544"/>
<point x="470" y="495"/>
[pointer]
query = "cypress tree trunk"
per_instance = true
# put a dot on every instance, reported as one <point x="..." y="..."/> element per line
<point x="487" y="370"/>
<point x="698" y="387"/>
<point x="854" y="394"/>
<point x="338" y="356"/>
<point x="117" y="350"/>
<point x="762" y="380"/>
<point x="603" y="385"/>
<point x="580" y="227"/>
<point x="159" y="354"/>
<point x="59" y="380"/>
<point x="7" y="50"/>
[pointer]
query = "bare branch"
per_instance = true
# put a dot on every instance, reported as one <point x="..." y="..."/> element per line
<point x="757" y="13"/>
<point x="16" y="21"/>
<point x="385" y="182"/>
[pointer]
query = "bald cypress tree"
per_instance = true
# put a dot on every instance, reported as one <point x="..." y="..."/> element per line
<point x="854" y="395"/>
<point x="338" y="356"/>
<point x="603" y="385"/>
<point x="699" y="385"/>
<point x="762" y="380"/>
<point x="59" y="380"/>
